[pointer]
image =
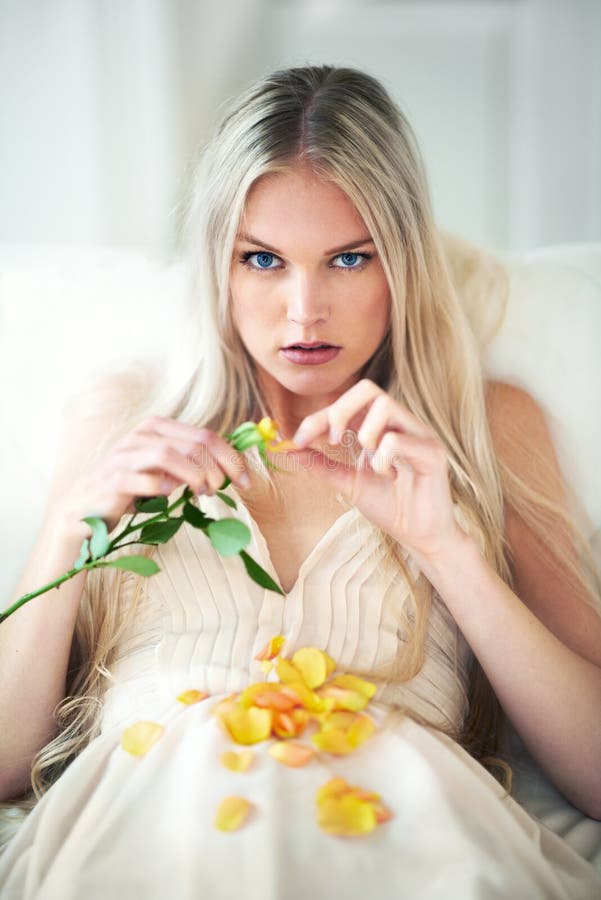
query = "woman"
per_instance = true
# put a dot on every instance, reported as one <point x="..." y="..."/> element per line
<point x="412" y="538"/>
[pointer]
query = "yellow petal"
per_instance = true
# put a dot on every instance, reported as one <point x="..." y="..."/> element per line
<point x="353" y="683"/>
<point x="330" y="663"/>
<point x="360" y="730"/>
<point x="268" y="695"/>
<point x="139" y="738"/>
<point x="311" y="663"/>
<point x="346" y="815"/>
<point x="282" y="446"/>
<point x="343" y="698"/>
<point x="237" y="762"/>
<point x="231" y="813"/>
<point x="291" y="754"/>
<point x="248" y="726"/>
<point x="339" y="718"/>
<point x="271" y="648"/>
<point x="332" y="788"/>
<point x="268" y="429"/>
<point x="266" y="666"/>
<point x="334" y="740"/>
<point x="192" y="696"/>
<point x="309" y="699"/>
<point x="286" y="671"/>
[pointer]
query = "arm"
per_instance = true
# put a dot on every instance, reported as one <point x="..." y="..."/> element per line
<point x="541" y="646"/>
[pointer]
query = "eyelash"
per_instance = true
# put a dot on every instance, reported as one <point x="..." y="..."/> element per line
<point x="245" y="261"/>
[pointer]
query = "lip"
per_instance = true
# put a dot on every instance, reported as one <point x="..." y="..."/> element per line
<point x="304" y="357"/>
<point x="307" y="345"/>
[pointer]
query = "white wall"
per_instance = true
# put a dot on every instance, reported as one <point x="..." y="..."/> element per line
<point x="103" y="104"/>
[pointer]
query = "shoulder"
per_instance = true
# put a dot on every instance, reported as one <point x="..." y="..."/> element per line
<point x="544" y="581"/>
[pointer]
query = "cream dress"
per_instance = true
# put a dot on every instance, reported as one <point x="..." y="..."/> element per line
<point x="121" y="827"/>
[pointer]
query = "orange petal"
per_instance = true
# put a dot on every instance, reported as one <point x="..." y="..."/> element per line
<point x="289" y="724"/>
<point x="271" y="648"/>
<point x="311" y="663"/>
<point x="192" y="696"/>
<point x="139" y="738"/>
<point x="353" y="683"/>
<point x="383" y="814"/>
<point x="231" y="813"/>
<point x="310" y="699"/>
<point x="282" y="446"/>
<point x="346" y="815"/>
<point x="237" y="762"/>
<point x="291" y="754"/>
<point x="248" y="726"/>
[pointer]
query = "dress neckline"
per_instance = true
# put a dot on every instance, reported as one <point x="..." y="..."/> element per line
<point x="266" y="561"/>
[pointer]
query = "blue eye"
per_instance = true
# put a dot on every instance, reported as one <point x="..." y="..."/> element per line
<point x="263" y="260"/>
<point x="352" y="261"/>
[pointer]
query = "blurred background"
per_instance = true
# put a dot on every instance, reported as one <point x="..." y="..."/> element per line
<point x="105" y="104"/>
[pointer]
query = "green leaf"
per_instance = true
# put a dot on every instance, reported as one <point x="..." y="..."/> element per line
<point x="140" y="564"/>
<point x="84" y="554"/>
<point x="195" y="516"/>
<point x="258" y="574"/>
<point x="160" y="532"/>
<point x="227" y="499"/>
<point x="248" y="439"/>
<point x="226" y="483"/>
<point x="151" y="504"/>
<point x="99" y="542"/>
<point x="228" y="536"/>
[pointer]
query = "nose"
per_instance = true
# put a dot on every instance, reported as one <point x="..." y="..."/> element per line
<point x="307" y="301"/>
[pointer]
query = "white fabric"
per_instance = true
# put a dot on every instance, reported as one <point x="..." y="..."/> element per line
<point x="119" y="826"/>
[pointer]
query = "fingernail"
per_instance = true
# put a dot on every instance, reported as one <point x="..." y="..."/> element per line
<point x="300" y="437"/>
<point x="244" y="481"/>
<point x="334" y="436"/>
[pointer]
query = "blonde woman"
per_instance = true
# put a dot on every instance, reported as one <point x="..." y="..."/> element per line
<point x="421" y="533"/>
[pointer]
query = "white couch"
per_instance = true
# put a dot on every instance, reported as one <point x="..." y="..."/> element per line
<point x="66" y="312"/>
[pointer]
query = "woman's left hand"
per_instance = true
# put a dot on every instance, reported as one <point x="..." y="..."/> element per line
<point x="400" y="481"/>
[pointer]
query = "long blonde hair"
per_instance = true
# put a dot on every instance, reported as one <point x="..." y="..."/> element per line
<point x="344" y="124"/>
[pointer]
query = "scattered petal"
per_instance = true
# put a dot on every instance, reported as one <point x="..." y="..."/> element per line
<point x="332" y="788"/>
<point x="192" y="696"/>
<point x="346" y="815"/>
<point x="248" y="726"/>
<point x="360" y="730"/>
<point x="353" y="683"/>
<point x="266" y="666"/>
<point x="237" y="762"/>
<point x="231" y="813"/>
<point x="291" y="754"/>
<point x="343" y="698"/>
<point x="139" y="738"/>
<point x="311" y="663"/>
<point x="290" y="724"/>
<point x="333" y="740"/>
<point x="271" y="648"/>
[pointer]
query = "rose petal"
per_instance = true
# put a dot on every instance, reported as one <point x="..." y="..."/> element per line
<point x="248" y="726"/>
<point x="360" y="730"/>
<point x="192" y="696"/>
<point x="333" y="740"/>
<point x="139" y="737"/>
<point x="311" y="663"/>
<point x="231" y="813"/>
<point x="346" y="815"/>
<point x="271" y="648"/>
<point x="353" y="683"/>
<point x="237" y="762"/>
<point x="343" y="698"/>
<point x="268" y="429"/>
<point x="332" y="788"/>
<point x="292" y="754"/>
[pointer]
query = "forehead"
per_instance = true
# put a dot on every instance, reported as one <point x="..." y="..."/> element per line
<point x="297" y="201"/>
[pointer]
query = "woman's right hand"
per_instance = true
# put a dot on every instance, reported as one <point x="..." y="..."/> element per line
<point x="152" y="459"/>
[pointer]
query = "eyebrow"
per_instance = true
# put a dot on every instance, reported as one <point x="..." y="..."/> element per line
<point x="253" y="240"/>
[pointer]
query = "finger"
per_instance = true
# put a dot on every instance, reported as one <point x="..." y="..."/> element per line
<point x="334" y="418"/>
<point x="164" y="460"/>
<point x="201" y="446"/>
<point x="376" y="422"/>
<point x="395" y="450"/>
